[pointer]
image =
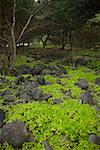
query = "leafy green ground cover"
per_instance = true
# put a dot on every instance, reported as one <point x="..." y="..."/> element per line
<point x="66" y="126"/>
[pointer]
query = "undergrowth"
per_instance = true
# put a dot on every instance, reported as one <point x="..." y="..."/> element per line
<point x="65" y="126"/>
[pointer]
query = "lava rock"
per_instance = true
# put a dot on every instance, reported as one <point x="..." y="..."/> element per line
<point x="58" y="81"/>
<point x="6" y="92"/>
<point x="94" y="139"/>
<point x="97" y="109"/>
<point x="41" y="81"/>
<point x="18" y="80"/>
<point x="46" y="145"/>
<point x="97" y="81"/>
<point x="61" y="71"/>
<point x="23" y="69"/>
<point x="68" y="93"/>
<point x="34" y="84"/>
<point x="57" y="101"/>
<point x="25" y="96"/>
<point x="36" y="94"/>
<point x="37" y="71"/>
<point x="2" y="79"/>
<point x="86" y="98"/>
<point x="45" y="97"/>
<point x="14" y="133"/>
<point x="83" y="84"/>
<point x="8" y="98"/>
<point x="2" y="117"/>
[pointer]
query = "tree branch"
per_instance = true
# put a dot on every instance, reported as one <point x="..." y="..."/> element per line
<point x="29" y="20"/>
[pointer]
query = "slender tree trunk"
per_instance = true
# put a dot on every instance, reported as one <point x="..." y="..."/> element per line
<point x="13" y="32"/>
<point x="64" y="38"/>
<point x="72" y="49"/>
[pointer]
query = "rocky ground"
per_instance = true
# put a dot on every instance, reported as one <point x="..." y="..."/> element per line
<point x="44" y="90"/>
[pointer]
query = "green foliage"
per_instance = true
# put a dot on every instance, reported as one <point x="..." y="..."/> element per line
<point x="54" y="90"/>
<point x="87" y="52"/>
<point x="67" y="83"/>
<point x="22" y="60"/>
<point x="96" y="19"/>
<point x="50" y="78"/>
<point x="96" y="65"/>
<point x="32" y="146"/>
<point x="82" y="72"/>
<point x="66" y="126"/>
<point x="6" y="146"/>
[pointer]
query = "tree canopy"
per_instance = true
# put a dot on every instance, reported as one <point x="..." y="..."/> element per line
<point x="22" y="20"/>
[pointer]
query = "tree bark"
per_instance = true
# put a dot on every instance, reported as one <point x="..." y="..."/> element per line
<point x="13" y="31"/>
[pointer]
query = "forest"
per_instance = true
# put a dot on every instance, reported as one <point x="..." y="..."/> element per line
<point x="49" y="74"/>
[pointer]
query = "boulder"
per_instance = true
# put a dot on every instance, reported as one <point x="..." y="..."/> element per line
<point x="14" y="133"/>
<point x="82" y="83"/>
<point x="36" y="94"/>
<point x="86" y="98"/>
<point x="94" y="139"/>
<point x="2" y="117"/>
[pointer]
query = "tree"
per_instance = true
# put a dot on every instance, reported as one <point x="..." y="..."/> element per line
<point x="13" y="24"/>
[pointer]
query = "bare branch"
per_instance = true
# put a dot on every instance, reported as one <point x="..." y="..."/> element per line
<point x="29" y="20"/>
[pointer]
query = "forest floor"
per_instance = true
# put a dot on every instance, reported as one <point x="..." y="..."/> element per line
<point x="58" y="102"/>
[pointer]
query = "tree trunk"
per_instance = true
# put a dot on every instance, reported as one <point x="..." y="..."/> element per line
<point x="72" y="49"/>
<point x="64" y="38"/>
<point x="13" y="32"/>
